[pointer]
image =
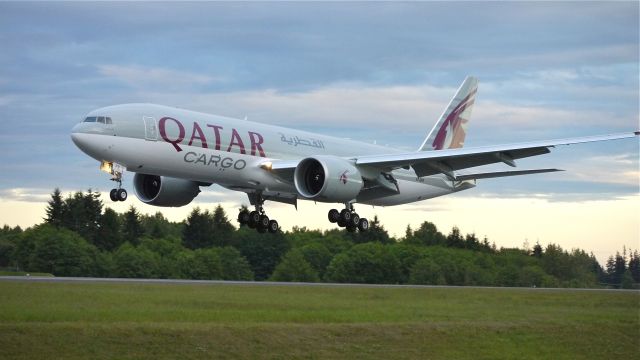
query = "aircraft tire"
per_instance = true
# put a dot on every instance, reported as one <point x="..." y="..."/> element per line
<point x="122" y="194"/>
<point x="355" y="220"/>
<point x="254" y="219"/>
<point x="273" y="226"/>
<point x="264" y="221"/>
<point x="243" y="217"/>
<point x="261" y="230"/>
<point x="334" y="215"/>
<point x="345" y="216"/>
<point x="113" y="194"/>
<point x="351" y="228"/>
<point x="363" y="225"/>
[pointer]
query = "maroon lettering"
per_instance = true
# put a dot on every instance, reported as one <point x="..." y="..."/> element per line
<point x="163" y="132"/>
<point x="216" y="130"/>
<point x="197" y="129"/>
<point x="236" y="140"/>
<point x="256" y="143"/>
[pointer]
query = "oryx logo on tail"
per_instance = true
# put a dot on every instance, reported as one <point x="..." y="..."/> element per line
<point x="451" y="129"/>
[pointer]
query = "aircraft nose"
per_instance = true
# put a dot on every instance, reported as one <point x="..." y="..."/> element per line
<point x="82" y="139"/>
<point x="77" y="138"/>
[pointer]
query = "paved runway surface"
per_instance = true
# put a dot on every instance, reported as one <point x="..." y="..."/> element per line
<point x="264" y="283"/>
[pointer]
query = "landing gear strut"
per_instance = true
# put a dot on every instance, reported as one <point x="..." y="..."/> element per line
<point x="117" y="194"/>
<point x="258" y="219"/>
<point x="348" y="219"/>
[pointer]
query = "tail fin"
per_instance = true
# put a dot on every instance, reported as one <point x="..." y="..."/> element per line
<point x="451" y="129"/>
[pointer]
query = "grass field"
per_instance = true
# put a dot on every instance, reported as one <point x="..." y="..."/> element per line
<point x="161" y="321"/>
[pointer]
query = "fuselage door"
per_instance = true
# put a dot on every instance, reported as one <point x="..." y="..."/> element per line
<point x="150" y="128"/>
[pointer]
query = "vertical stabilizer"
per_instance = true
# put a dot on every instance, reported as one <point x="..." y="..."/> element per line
<point x="451" y="129"/>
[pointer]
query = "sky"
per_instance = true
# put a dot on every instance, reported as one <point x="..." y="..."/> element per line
<point x="375" y="72"/>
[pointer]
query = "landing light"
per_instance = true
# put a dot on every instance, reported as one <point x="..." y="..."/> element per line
<point x="107" y="167"/>
<point x="267" y="165"/>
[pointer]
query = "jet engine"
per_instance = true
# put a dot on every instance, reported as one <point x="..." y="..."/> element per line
<point x="328" y="179"/>
<point x="164" y="191"/>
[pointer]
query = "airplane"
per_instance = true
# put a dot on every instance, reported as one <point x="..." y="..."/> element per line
<point x="174" y="152"/>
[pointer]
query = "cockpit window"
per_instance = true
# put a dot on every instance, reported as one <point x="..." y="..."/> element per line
<point x="99" y="119"/>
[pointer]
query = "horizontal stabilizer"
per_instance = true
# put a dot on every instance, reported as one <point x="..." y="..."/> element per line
<point x="498" y="174"/>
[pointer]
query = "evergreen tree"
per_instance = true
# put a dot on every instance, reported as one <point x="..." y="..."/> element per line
<point x="375" y="233"/>
<point x="610" y="270"/>
<point x="454" y="239"/>
<point x="537" y="250"/>
<point x="408" y="233"/>
<point x="619" y="268"/>
<point x="486" y="246"/>
<point x="197" y="232"/>
<point x="55" y="209"/>
<point x="132" y="227"/>
<point x="109" y="236"/>
<point x="634" y="266"/>
<point x="426" y="235"/>
<point x="222" y="228"/>
<point x="471" y="242"/>
<point x="82" y="214"/>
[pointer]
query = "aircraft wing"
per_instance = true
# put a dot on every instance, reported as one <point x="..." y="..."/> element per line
<point x="446" y="162"/>
<point x="427" y="163"/>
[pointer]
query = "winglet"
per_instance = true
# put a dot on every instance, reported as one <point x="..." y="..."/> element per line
<point x="451" y="129"/>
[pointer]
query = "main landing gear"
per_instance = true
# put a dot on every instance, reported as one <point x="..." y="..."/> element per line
<point x="258" y="219"/>
<point x="349" y="219"/>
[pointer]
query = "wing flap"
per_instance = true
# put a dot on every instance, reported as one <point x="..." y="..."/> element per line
<point x="497" y="174"/>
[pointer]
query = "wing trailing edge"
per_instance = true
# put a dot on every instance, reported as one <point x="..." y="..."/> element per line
<point x="498" y="174"/>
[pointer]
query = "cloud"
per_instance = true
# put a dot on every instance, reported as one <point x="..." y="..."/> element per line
<point x="357" y="104"/>
<point x="620" y="169"/>
<point x="32" y="195"/>
<point x="141" y="77"/>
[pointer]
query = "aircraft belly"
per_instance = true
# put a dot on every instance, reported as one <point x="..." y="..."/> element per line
<point x="412" y="191"/>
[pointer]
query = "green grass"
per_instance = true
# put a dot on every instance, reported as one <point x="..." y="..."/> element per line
<point x="140" y="321"/>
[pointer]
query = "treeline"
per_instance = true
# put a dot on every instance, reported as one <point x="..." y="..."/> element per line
<point x="80" y="237"/>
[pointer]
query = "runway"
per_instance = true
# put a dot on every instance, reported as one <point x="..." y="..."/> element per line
<point x="271" y="283"/>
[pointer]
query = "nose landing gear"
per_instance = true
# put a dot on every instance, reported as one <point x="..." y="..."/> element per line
<point x="258" y="219"/>
<point x="116" y="170"/>
<point x="348" y="219"/>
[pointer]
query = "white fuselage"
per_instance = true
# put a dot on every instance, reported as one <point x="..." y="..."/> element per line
<point x="166" y="141"/>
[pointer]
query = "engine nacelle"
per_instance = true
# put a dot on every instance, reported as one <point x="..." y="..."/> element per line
<point x="328" y="179"/>
<point x="164" y="191"/>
